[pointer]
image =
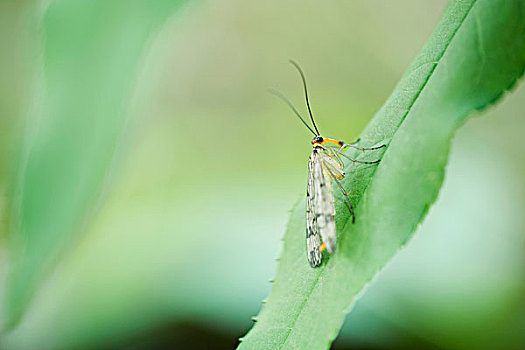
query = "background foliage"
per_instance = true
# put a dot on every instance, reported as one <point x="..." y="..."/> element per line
<point x="157" y="174"/>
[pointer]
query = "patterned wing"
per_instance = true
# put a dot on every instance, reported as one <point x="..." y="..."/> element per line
<point x="323" y="202"/>
<point x="313" y="238"/>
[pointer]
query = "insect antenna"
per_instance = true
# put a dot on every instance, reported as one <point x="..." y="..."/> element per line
<point x="285" y="100"/>
<point x="305" y="94"/>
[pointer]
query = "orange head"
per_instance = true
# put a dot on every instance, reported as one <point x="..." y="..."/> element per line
<point x="319" y="140"/>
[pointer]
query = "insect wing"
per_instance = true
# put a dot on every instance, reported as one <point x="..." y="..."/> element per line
<point x="313" y="238"/>
<point x="323" y="202"/>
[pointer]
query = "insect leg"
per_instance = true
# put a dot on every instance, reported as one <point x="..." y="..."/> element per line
<point x="334" y="153"/>
<point x="360" y="148"/>
<point x="350" y="206"/>
<point x="358" y="161"/>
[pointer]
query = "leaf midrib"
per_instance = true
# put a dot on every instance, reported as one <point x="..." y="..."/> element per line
<point x="435" y="64"/>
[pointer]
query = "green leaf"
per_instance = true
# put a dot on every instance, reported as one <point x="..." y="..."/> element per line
<point x="475" y="54"/>
<point x="91" y="52"/>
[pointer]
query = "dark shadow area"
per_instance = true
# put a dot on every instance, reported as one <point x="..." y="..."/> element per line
<point x="195" y="336"/>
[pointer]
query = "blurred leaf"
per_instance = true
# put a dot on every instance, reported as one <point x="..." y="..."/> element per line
<point x="18" y="62"/>
<point x="91" y="53"/>
<point x="474" y="55"/>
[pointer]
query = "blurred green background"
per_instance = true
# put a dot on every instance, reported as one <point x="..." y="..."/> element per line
<point x="192" y="168"/>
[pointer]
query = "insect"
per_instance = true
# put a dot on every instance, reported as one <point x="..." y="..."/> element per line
<point x="324" y="167"/>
